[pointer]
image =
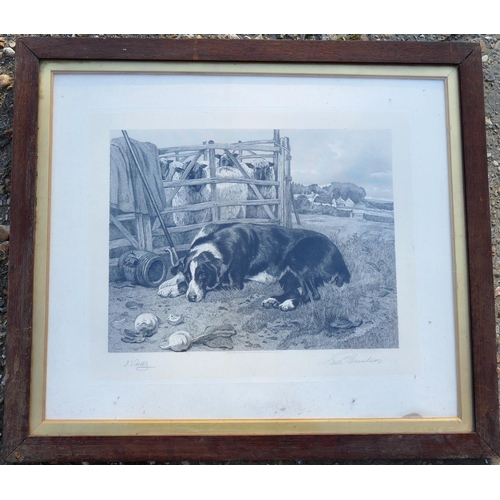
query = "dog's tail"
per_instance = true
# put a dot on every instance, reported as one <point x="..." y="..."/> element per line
<point x="343" y="277"/>
<point x="341" y="274"/>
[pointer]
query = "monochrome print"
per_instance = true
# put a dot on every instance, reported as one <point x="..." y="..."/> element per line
<point x="251" y="240"/>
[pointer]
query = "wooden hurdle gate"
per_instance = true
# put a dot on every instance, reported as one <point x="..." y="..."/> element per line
<point x="275" y="150"/>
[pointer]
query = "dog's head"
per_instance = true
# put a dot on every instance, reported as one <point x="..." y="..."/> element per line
<point x="202" y="272"/>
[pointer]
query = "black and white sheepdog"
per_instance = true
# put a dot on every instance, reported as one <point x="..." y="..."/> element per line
<point x="225" y="255"/>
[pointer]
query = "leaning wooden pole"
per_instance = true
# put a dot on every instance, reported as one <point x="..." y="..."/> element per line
<point x="294" y="206"/>
<point x="173" y="254"/>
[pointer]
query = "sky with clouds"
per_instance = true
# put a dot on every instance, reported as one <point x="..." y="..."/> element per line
<point x="363" y="157"/>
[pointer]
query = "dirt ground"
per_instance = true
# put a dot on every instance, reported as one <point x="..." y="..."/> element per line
<point x="357" y="315"/>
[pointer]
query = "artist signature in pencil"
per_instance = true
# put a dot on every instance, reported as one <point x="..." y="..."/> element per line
<point x="139" y="365"/>
<point x="349" y="359"/>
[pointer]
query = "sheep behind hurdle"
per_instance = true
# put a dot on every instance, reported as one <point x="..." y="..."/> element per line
<point x="188" y="196"/>
<point x="261" y="170"/>
<point x="230" y="191"/>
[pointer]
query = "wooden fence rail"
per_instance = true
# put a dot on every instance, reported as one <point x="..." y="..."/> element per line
<point x="202" y="182"/>
<point x="262" y="146"/>
<point x="212" y="204"/>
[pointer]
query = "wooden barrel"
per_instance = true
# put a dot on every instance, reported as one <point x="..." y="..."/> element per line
<point x="143" y="268"/>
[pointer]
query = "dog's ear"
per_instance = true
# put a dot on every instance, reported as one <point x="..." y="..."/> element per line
<point x="249" y="165"/>
<point x="216" y="277"/>
<point x="182" y="287"/>
<point x="219" y="265"/>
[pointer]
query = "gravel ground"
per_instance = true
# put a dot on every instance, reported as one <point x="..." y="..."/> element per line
<point x="490" y="46"/>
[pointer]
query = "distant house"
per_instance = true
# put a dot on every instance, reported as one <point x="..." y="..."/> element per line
<point x="349" y="202"/>
<point x="340" y="202"/>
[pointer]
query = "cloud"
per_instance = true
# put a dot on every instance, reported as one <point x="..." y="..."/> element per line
<point x="360" y="156"/>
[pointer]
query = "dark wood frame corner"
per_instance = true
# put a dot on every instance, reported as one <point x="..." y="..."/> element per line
<point x="20" y="446"/>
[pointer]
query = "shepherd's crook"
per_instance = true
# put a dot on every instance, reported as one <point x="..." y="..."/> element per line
<point x="174" y="259"/>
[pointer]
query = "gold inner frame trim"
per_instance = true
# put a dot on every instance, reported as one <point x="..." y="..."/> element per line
<point x="40" y="426"/>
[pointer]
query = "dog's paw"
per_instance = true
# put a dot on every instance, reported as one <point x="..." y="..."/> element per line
<point x="169" y="291"/>
<point x="167" y="284"/>
<point x="287" y="305"/>
<point x="172" y="281"/>
<point x="270" y="302"/>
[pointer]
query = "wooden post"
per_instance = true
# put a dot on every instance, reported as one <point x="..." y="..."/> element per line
<point x="213" y="187"/>
<point x="205" y="152"/>
<point x="287" y="183"/>
<point x="282" y="186"/>
<point x="277" y="142"/>
<point x="144" y="232"/>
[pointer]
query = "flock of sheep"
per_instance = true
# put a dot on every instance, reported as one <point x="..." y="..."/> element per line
<point x="187" y="196"/>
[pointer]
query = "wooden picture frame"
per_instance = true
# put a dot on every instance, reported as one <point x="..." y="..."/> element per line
<point x="476" y="358"/>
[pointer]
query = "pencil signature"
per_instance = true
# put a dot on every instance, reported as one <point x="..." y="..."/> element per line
<point x="139" y="365"/>
<point x="348" y="359"/>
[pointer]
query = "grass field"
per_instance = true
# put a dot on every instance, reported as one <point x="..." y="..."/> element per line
<point x="361" y="314"/>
